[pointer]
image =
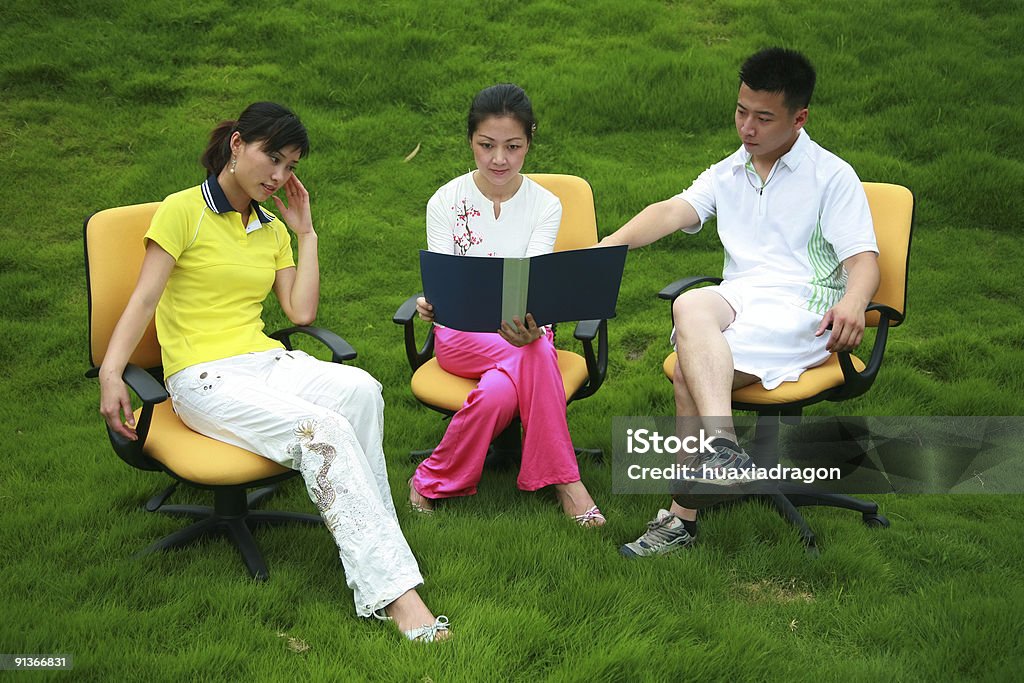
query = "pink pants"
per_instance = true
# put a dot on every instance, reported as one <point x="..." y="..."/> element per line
<point x="522" y="381"/>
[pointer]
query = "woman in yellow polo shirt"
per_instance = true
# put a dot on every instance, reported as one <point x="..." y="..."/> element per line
<point x="212" y="256"/>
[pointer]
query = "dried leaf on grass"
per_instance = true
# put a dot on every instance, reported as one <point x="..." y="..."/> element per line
<point x="776" y="591"/>
<point x="294" y="644"/>
<point x="413" y="153"/>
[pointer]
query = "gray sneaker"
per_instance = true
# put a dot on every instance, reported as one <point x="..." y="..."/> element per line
<point x="665" y="533"/>
<point x="725" y="466"/>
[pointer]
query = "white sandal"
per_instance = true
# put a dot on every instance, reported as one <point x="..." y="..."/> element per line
<point x="588" y="518"/>
<point x="426" y="633"/>
<point x="416" y="507"/>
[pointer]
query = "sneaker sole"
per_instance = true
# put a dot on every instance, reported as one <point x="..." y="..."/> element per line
<point x="628" y="552"/>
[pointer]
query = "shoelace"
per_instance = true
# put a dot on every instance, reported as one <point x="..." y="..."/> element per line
<point x="727" y="456"/>
<point x="657" y="531"/>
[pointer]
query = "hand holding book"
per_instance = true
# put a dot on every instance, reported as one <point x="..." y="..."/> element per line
<point x="517" y="334"/>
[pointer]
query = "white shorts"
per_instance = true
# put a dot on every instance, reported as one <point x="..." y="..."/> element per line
<point x="772" y="336"/>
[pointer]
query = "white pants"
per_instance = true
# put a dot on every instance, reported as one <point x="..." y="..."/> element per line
<point x="325" y="420"/>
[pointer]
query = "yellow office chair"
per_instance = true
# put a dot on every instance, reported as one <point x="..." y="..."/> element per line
<point x="114" y="251"/>
<point x="843" y="375"/>
<point x="581" y="375"/>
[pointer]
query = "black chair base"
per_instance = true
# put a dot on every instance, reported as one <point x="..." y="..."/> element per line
<point x="787" y="504"/>
<point x="231" y="515"/>
<point x="785" y="498"/>
<point x="790" y="496"/>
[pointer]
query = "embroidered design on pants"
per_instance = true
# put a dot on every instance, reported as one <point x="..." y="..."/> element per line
<point x="324" y="491"/>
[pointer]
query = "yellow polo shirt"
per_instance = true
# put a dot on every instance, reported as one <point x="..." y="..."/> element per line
<point x="213" y="302"/>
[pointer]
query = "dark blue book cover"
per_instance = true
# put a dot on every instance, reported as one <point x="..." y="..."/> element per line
<point x="470" y="293"/>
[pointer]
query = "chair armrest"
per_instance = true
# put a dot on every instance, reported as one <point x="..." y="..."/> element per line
<point x="856" y="383"/>
<point x="586" y="330"/>
<point x="340" y="349"/>
<point x="146" y="387"/>
<point x="597" y="365"/>
<point x="670" y="292"/>
<point x="406" y="313"/>
<point x="405" y="316"/>
<point x="886" y="312"/>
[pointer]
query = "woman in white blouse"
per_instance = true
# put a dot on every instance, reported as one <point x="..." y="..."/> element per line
<point x="496" y="211"/>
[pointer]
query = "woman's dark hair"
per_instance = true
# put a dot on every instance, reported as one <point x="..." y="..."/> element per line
<point x="504" y="99"/>
<point x="775" y="69"/>
<point x="272" y="124"/>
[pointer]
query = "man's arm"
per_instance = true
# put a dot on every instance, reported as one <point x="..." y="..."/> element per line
<point x="653" y="223"/>
<point x="847" y="316"/>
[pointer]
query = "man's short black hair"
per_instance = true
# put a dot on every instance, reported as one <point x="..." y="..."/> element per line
<point x="776" y="69"/>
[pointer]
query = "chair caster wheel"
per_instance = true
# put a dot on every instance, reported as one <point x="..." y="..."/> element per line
<point x="876" y="521"/>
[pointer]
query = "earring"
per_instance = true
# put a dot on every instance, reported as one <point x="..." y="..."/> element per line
<point x="234" y="162"/>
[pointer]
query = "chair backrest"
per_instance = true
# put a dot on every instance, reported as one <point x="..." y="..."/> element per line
<point x="114" y="251"/>
<point x="579" y="220"/>
<point x="892" y="211"/>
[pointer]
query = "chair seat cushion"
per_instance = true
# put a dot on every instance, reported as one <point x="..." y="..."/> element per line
<point x="812" y="382"/>
<point x="445" y="391"/>
<point x="200" y="459"/>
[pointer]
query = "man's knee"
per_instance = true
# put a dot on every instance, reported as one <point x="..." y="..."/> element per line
<point x="698" y="311"/>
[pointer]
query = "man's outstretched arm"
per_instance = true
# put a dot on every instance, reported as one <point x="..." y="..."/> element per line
<point x="653" y="223"/>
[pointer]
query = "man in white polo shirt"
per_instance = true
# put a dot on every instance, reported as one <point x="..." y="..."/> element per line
<point x="800" y="256"/>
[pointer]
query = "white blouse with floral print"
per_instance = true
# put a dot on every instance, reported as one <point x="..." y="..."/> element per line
<point x="460" y="221"/>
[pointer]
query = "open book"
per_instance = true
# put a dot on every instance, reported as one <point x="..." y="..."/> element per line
<point x="475" y="293"/>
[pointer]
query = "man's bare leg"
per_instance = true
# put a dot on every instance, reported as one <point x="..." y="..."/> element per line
<point x="704" y="377"/>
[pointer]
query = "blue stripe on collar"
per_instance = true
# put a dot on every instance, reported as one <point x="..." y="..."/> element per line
<point x="215" y="197"/>
<point x="218" y="202"/>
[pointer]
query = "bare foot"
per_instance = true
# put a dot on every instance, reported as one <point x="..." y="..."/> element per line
<point x="409" y="612"/>
<point x="417" y="502"/>
<point x="576" y="502"/>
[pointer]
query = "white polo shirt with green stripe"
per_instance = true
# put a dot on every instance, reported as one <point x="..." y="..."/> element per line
<point x="212" y="305"/>
<point x="792" y="232"/>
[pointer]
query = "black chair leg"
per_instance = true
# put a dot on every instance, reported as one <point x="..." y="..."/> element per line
<point x="193" y="511"/>
<point x="419" y="456"/>
<point x="596" y="455"/>
<point x="256" y="497"/>
<point x="507" y="448"/>
<point x="239" y="533"/>
<point x="868" y="510"/>
<point x="154" y="503"/>
<point x="786" y="508"/>
<point x="183" y="537"/>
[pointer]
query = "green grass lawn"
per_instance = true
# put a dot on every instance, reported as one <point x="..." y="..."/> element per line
<point x="106" y="102"/>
